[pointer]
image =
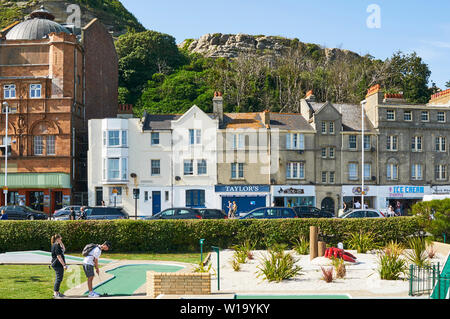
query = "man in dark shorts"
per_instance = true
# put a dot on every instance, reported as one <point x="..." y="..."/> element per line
<point x="90" y="262"/>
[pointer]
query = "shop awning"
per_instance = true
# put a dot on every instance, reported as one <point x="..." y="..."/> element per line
<point x="36" y="180"/>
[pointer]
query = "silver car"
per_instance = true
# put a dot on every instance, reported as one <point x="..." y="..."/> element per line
<point x="364" y="213"/>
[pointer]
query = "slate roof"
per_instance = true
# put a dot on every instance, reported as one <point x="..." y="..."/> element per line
<point x="158" y="121"/>
<point x="351" y="116"/>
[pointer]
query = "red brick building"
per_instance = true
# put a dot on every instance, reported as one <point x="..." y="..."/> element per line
<point x="53" y="82"/>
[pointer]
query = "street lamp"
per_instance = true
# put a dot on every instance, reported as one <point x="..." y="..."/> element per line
<point x="362" y="154"/>
<point x="5" y="188"/>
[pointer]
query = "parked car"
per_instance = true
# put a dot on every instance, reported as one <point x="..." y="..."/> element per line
<point x="23" y="213"/>
<point x="363" y="213"/>
<point x="208" y="213"/>
<point x="270" y="213"/>
<point x="103" y="212"/>
<point x="178" y="213"/>
<point x="311" y="212"/>
<point x="63" y="213"/>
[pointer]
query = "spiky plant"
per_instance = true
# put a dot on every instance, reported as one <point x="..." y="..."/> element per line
<point x="278" y="266"/>
<point x="362" y="242"/>
<point x="391" y="266"/>
<point x="327" y="274"/>
<point x="301" y="246"/>
<point x="235" y="265"/>
<point x="417" y="252"/>
<point x="339" y="267"/>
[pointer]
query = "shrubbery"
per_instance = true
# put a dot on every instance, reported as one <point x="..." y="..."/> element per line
<point x="184" y="235"/>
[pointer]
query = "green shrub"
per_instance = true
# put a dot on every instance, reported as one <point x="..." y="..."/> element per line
<point x="362" y="242"/>
<point x="391" y="265"/>
<point x="301" y="245"/>
<point x="278" y="266"/>
<point x="417" y="251"/>
<point x="163" y="236"/>
<point x="434" y="217"/>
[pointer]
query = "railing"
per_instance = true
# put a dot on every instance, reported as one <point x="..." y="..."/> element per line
<point x="422" y="279"/>
<point x="429" y="281"/>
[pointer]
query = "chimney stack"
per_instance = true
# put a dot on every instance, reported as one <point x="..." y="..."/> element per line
<point x="310" y="96"/>
<point x="125" y="111"/>
<point x="218" y="106"/>
<point x="266" y="118"/>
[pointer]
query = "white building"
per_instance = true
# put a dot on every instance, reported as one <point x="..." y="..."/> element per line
<point x="169" y="159"/>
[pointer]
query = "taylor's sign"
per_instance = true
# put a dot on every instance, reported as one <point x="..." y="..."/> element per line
<point x="242" y="188"/>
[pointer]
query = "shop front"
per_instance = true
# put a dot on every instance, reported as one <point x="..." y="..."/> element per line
<point x="352" y="196"/>
<point x="293" y="196"/>
<point x="246" y="197"/>
<point x="401" y="197"/>
<point x="42" y="192"/>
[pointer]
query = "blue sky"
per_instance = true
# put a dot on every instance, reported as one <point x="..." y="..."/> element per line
<point x="405" y="25"/>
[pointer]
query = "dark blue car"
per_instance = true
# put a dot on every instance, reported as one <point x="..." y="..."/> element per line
<point x="270" y="213"/>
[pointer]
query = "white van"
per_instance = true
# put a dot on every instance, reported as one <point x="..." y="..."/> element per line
<point x="428" y="198"/>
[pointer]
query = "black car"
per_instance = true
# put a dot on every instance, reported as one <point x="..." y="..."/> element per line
<point x="23" y="213"/>
<point x="103" y="212"/>
<point x="312" y="212"/>
<point x="207" y="213"/>
<point x="63" y="213"/>
<point x="178" y="213"/>
<point x="270" y="213"/>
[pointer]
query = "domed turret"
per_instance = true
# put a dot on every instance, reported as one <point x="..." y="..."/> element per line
<point x="39" y="25"/>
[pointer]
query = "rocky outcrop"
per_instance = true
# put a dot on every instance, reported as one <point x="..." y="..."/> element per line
<point x="232" y="45"/>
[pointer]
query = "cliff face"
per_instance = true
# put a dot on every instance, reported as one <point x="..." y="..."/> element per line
<point x="110" y="12"/>
<point x="232" y="45"/>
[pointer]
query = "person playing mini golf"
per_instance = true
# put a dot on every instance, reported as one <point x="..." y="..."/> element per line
<point x="90" y="262"/>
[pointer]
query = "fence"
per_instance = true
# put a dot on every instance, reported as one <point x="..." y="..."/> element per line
<point x="429" y="281"/>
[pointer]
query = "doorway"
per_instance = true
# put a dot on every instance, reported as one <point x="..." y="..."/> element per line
<point x="328" y="204"/>
<point x="156" y="202"/>
<point x="58" y="200"/>
<point x="37" y="200"/>
<point x="99" y="196"/>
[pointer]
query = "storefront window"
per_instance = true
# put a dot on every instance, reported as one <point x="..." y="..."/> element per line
<point x="195" y="198"/>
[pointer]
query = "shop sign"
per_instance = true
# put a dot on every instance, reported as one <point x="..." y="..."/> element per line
<point x="291" y="191"/>
<point x="242" y="188"/>
<point x="440" y="190"/>
<point x="358" y="190"/>
<point x="400" y="191"/>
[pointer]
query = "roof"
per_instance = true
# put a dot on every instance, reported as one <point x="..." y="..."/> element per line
<point x="158" y="121"/>
<point x="289" y="121"/>
<point x="242" y="120"/>
<point x="38" y="27"/>
<point x="351" y="116"/>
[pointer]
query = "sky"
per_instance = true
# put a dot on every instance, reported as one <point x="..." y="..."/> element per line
<point x="376" y="27"/>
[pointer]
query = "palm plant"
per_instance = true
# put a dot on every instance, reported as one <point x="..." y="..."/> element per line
<point x="301" y="246"/>
<point x="278" y="266"/>
<point x="362" y="242"/>
<point x="417" y="253"/>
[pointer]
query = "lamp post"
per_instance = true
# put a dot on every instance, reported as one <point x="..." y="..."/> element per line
<point x="5" y="188"/>
<point x="362" y="154"/>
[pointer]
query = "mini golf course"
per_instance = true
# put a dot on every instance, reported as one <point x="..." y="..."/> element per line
<point x="128" y="278"/>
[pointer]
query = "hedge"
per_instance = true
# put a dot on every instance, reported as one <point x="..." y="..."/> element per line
<point x="162" y="236"/>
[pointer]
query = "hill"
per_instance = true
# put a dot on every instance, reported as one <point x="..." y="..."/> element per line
<point x="111" y="13"/>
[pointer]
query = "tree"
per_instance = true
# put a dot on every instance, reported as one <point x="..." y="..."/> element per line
<point x="447" y="84"/>
<point x="409" y="74"/>
<point x="143" y="54"/>
<point x="434" y="216"/>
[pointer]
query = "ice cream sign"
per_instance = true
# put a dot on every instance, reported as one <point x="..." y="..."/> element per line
<point x="401" y="191"/>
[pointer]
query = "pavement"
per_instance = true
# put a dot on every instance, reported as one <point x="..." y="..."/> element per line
<point x="38" y="257"/>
